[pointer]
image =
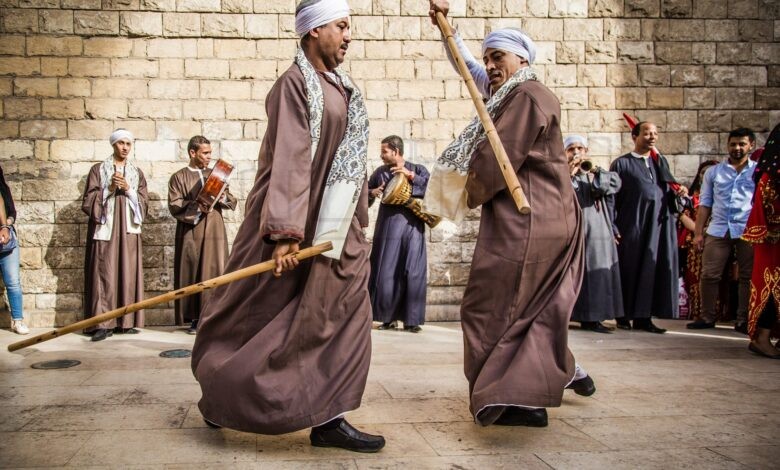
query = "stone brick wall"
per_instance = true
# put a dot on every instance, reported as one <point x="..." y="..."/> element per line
<point x="72" y="70"/>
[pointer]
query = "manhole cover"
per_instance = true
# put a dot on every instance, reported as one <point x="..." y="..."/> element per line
<point x="58" y="364"/>
<point x="176" y="353"/>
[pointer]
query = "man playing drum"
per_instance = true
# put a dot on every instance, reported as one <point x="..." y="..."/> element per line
<point x="201" y="246"/>
<point x="290" y="350"/>
<point x="527" y="269"/>
<point x="399" y="272"/>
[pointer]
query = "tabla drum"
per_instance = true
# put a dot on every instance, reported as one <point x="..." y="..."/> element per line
<point x="398" y="190"/>
<point x="215" y="184"/>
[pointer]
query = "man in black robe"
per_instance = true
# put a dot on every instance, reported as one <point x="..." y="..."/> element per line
<point x="646" y="233"/>
<point x="399" y="270"/>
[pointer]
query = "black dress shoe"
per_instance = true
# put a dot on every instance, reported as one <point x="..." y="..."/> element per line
<point x="101" y="334"/>
<point x="388" y="326"/>
<point x="700" y="325"/>
<point x="741" y="327"/>
<point x="193" y="329"/>
<point x="346" y="437"/>
<point x="211" y="425"/>
<point x="623" y="323"/>
<point x="583" y="386"/>
<point x="413" y="329"/>
<point x="515" y="416"/>
<point x="595" y="326"/>
<point x="126" y="331"/>
<point x="645" y="324"/>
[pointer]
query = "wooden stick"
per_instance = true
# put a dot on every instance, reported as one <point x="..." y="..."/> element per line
<point x="512" y="183"/>
<point x="167" y="297"/>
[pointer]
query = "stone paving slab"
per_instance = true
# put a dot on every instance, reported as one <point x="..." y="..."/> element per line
<point x="680" y="400"/>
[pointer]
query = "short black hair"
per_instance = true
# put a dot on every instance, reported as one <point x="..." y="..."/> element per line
<point x="394" y="142"/>
<point x="742" y="132"/>
<point x="196" y="142"/>
<point x="635" y="131"/>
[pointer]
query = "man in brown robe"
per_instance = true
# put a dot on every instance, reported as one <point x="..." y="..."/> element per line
<point x="527" y="269"/>
<point x="201" y="241"/>
<point x="115" y="199"/>
<point x="288" y="350"/>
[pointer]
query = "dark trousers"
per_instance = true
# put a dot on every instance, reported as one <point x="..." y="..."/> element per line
<point x="713" y="260"/>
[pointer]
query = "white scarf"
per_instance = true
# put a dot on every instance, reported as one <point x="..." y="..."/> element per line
<point x="348" y="170"/>
<point x="446" y="194"/>
<point x="133" y="215"/>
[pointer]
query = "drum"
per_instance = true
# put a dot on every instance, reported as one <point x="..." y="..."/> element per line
<point x="215" y="184"/>
<point x="398" y="191"/>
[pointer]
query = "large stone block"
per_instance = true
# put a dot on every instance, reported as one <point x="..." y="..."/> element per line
<point x="665" y="98"/>
<point x="21" y="108"/>
<point x="172" y="48"/>
<point x="198" y="5"/>
<point x="63" y="257"/>
<point x="244" y="110"/>
<point x="622" y="75"/>
<point x="568" y="8"/>
<point x="601" y="98"/>
<point x="61" y="235"/>
<point x="710" y="9"/>
<point x="642" y="8"/>
<point x="96" y="22"/>
<point x="676" y="8"/>
<point x="570" y="52"/>
<point x="181" y="24"/>
<point x="154" y="109"/>
<point x="140" y="23"/>
<point x="635" y="52"/>
<point x="173" y="89"/>
<point x="759" y="121"/>
<point x="562" y="75"/>
<point x="20" y="21"/>
<point x="734" y="53"/>
<point x="572" y="98"/>
<point x="222" y="25"/>
<point x="89" y="129"/>
<point x="622" y="29"/>
<point x="448" y="274"/>
<point x="74" y="87"/>
<point x="56" y="21"/>
<point x="756" y="30"/>
<point x="751" y="76"/>
<point x="84" y="67"/>
<point x="30" y="258"/>
<point x="119" y="88"/>
<point x="43" y="129"/>
<point x="261" y="26"/>
<point x="630" y="98"/>
<point x="654" y="75"/>
<point x="717" y="75"/>
<point x="253" y="69"/>
<point x="544" y="29"/>
<point x="687" y="75"/>
<point x="673" y="53"/>
<point x="600" y="52"/>
<point x="72" y="150"/>
<point x="35" y="87"/>
<point x="768" y="98"/>
<point x="54" y="46"/>
<point x="15" y="149"/>
<point x="400" y="28"/>
<point x="703" y="143"/>
<point x="734" y="98"/>
<point x="703" y="53"/>
<point x="134" y="68"/>
<point x="206" y="68"/>
<point x="45" y="281"/>
<point x="715" y="121"/>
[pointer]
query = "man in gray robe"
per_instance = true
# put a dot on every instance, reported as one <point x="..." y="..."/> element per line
<point x="201" y="245"/>
<point x="527" y="269"/>
<point x="600" y="296"/>
<point x="115" y="200"/>
<point x="399" y="264"/>
<point x="288" y="350"/>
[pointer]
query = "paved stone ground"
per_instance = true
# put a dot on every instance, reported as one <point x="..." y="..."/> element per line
<point x="680" y="400"/>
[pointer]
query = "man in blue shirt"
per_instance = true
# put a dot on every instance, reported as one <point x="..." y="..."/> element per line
<point x="726" y="195"/>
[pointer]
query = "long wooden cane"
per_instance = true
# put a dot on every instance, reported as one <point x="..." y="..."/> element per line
<point x="512" y="183"/>
<point x="167" y="297"/>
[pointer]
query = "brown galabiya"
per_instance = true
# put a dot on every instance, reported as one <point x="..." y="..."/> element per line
<point x="275" y="355"/>
<point x="526" y="271"/>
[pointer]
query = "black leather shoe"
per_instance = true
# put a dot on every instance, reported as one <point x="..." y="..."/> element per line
<point x="126" y="331"/>
<point x="211" y="425"/>
<point x="514" y="416"/>
<point x="741" y="328"/>
<point x="101" y="334"/>
<point x="346" y="437"/>
<point x="583" y="386"/>
<point x="595" y="326"/>
<point x="623" y="323"/>
<point x="388" y="326"/>
<point x="700" y="325"/>
<point x="193" y="329"/>
<point x="647" y="325"/>
<point x="412" y="329"/>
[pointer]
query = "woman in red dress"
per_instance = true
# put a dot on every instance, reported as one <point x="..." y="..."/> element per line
<point x="763" y="231"/>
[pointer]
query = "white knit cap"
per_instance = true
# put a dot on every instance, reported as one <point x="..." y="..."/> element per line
<point x="318" y="14"/>
<point x="511" y="40"/>
<point x="574" y="139"/>
<point x="121" y="134"/>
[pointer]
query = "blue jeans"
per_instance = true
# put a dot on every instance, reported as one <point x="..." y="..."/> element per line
<point x="9" y="266"/>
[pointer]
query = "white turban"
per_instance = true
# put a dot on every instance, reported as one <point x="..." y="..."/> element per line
<point x="574" y="139"/>
<point x="318" y="14"/>
<point x="121" y="134"/>
<point x="511" y="40"/>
